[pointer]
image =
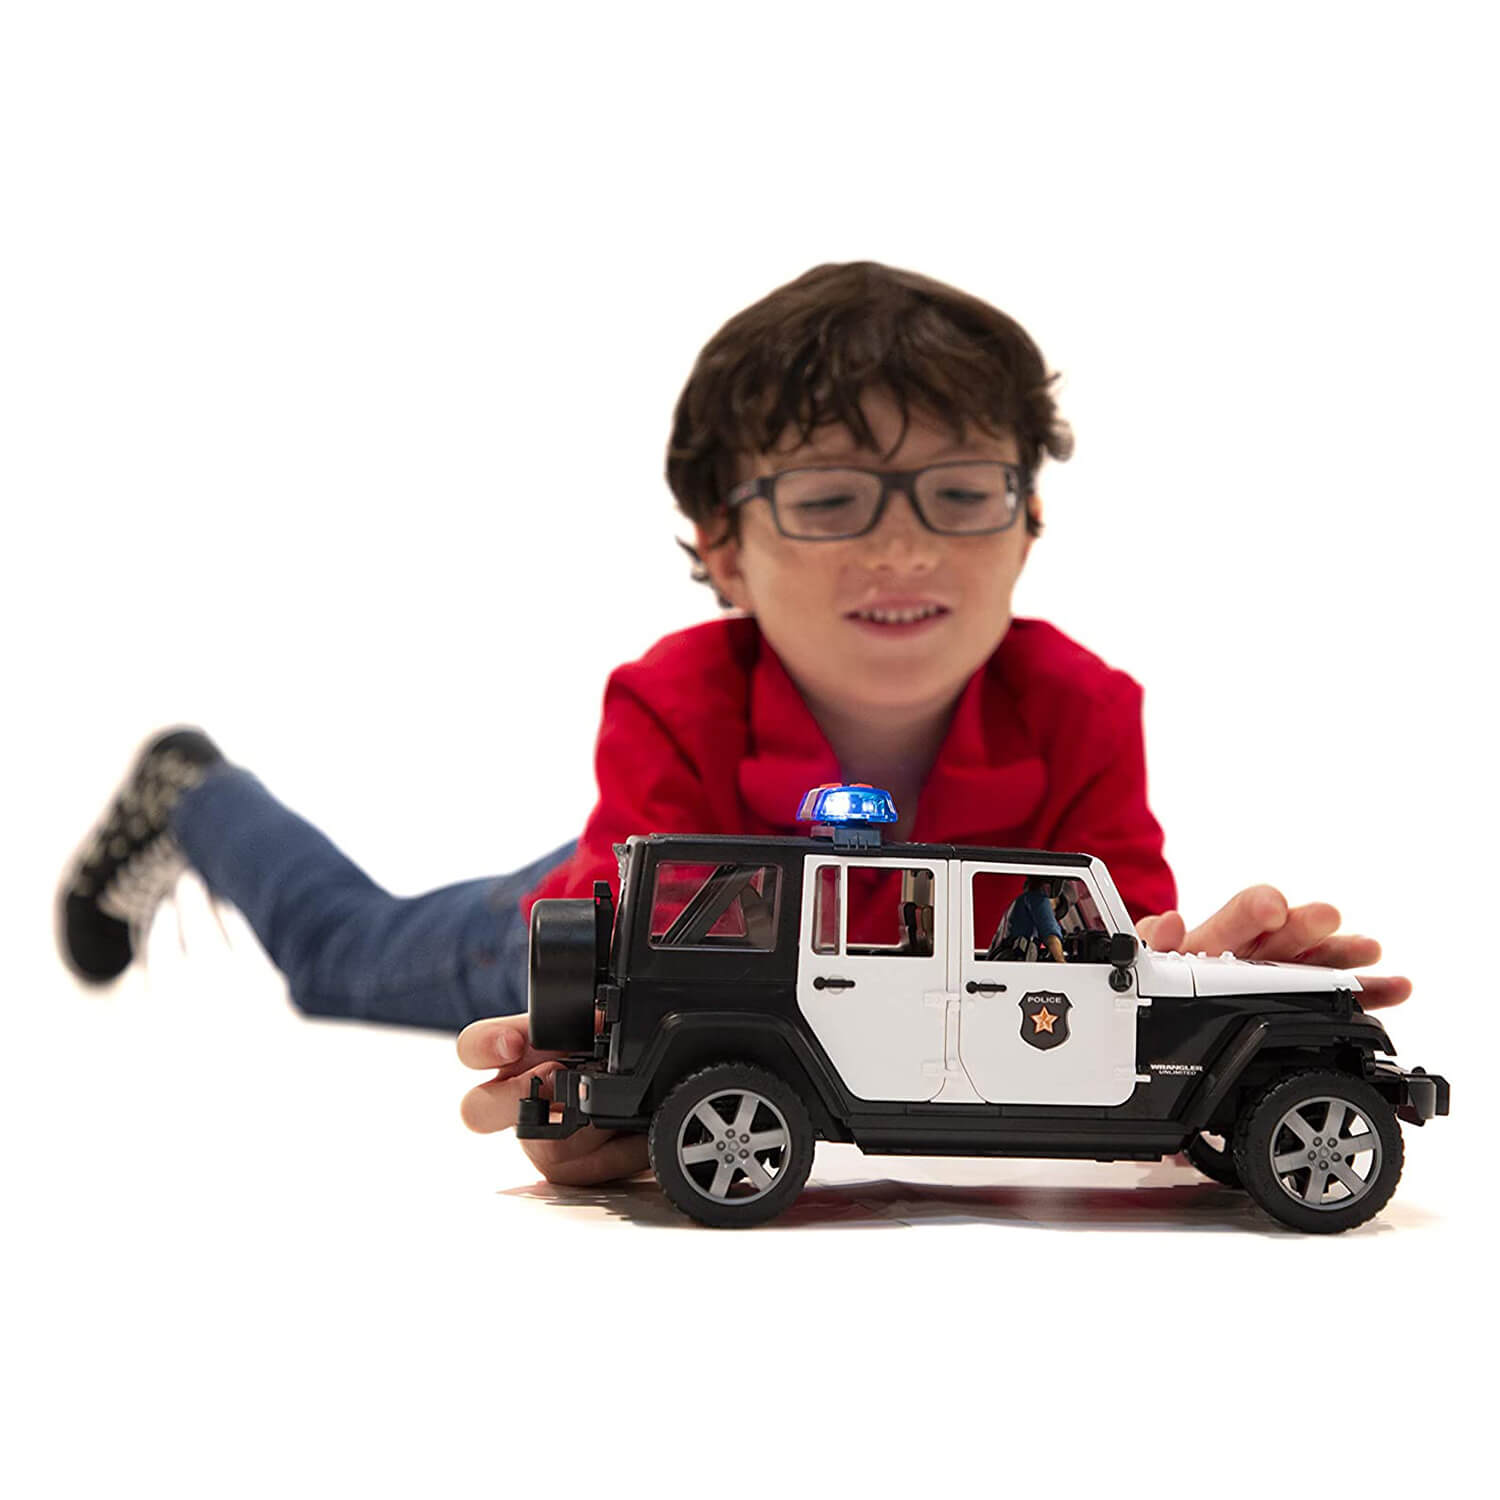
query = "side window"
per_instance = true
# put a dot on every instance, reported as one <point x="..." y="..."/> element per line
<point x="825" y="922"/>
<point x="1034" y="918"/>
<point x="715" y="906"/>
<point x="890" y="911"/>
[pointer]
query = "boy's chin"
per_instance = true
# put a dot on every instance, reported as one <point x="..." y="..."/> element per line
<point x="916" y="667"/>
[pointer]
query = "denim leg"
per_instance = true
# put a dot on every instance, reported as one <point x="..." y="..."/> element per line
<point x="347" y="947"/>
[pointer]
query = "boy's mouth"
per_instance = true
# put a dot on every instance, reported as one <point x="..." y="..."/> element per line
<point x="898" y="619"/>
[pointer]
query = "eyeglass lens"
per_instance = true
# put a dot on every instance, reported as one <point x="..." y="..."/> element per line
<point x="827" y="503"/>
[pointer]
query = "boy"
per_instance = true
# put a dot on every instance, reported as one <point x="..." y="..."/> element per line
<point x="856" y="453"/>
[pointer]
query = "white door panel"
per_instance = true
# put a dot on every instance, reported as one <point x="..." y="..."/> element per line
<point x="881" y="1017"/>
<point x="1016" y="1013"/>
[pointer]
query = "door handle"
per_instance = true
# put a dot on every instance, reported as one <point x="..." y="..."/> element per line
<point x="820" y="983"/>
<point x="974" y="987"/>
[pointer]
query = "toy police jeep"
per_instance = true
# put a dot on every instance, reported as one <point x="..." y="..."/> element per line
<point x="754" y="995"/>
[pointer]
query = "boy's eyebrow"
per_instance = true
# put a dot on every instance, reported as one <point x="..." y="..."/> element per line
<point x="863" y="453"/>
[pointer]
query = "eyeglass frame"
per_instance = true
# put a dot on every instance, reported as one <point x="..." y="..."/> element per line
<point x="904" y="480"/>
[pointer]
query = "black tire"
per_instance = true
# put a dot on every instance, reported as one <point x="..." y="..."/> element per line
<point x="1287" y="1126"/>
<point x="563" y="971"/>
<point x="1214" y="1161"/>
<point x="762" y="1180"/>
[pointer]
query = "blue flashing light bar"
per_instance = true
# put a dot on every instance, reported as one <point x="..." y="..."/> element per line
<point x="850" y="812"/>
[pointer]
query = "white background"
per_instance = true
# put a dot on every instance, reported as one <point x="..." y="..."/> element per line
<point x="338" y="352"/>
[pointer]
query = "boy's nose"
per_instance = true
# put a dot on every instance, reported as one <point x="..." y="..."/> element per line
<point x="900" y="532"/>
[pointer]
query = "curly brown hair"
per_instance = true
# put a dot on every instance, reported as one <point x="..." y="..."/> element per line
<point x="805" y="353"/>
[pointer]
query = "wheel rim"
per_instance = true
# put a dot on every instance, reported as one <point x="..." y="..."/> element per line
<point x="733" y="1146"/>
<point x="1325" y="1153"/>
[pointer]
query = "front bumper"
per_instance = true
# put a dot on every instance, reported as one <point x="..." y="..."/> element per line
<point x="1418" y="1095"/>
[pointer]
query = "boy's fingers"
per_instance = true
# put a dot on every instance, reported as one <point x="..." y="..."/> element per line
<point x="1379" y="990"/>
<point x="1258" y="910"/>
<point x="1344" y="950"/>
<point x="487" y="1044"/>
<point x="493" y="1106"/>
<point x="1162" y="934"/>
<point x="503" y="1042"/>
<point x="1305" y="927"/>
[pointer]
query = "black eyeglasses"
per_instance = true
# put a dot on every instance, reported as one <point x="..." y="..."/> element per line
<point x="966" y="498"/>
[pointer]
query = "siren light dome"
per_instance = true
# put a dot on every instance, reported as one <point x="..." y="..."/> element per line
<point x="847" y="804"/>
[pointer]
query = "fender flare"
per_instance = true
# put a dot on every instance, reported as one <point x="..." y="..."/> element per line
<point x="685" y="1040"/>
<point x="1263" y="1033"/>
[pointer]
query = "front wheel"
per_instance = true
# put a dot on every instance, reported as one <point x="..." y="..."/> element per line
<point x="1320" y="1151"/>
<point x="1214" y="1157"/>
<point x="731" y="1145"/>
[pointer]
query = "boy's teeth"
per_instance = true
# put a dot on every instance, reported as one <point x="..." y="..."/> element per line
<point x="897" y="616"/>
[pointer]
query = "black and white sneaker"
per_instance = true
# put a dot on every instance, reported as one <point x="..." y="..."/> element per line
<point x="130" y="861"/>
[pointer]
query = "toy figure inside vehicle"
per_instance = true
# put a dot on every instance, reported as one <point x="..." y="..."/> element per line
<point x="752" y="996"/>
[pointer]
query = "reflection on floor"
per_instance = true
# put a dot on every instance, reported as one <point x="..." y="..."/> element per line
<point x="846" y="1192"/>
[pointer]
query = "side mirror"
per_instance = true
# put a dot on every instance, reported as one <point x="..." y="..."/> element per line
<point x="1122" y="951"/>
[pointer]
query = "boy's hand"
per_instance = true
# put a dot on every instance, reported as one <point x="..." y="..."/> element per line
<point x="587" y="1156"/>
<point x="1258" y="923"/>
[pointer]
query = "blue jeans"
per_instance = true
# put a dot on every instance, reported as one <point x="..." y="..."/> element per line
<point x="347" y="947"/>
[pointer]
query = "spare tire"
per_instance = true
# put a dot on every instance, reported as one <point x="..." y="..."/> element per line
<point x="563" y="967"/>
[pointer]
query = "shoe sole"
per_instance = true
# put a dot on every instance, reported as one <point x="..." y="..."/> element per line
<point x="60" y="898"/>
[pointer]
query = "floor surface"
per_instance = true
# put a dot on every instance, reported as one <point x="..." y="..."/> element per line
<point x="252" y="1253"/>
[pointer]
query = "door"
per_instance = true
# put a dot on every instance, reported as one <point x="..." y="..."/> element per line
<point x="872" y="970"/>
<point x="1033" y="1030"/>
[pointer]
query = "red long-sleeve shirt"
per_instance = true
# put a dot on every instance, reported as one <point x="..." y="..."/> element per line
<point x="706" y="733"/>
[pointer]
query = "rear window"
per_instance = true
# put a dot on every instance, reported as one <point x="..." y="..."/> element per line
<point x="731" y="906"/>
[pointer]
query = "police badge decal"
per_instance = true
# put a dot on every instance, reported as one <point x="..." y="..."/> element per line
<point x="1044" y="1019"/>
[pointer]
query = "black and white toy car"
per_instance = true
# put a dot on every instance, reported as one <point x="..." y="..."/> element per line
<point x="752" y="996"/>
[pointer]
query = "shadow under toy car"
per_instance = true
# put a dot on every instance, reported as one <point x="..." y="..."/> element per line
<point x="752" y="996"/>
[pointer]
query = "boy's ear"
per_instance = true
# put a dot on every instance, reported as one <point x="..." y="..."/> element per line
<point x="1034" y="511"/>
<point x="720" y="551"/>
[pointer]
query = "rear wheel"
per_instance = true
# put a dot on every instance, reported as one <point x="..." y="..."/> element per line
<point x="731" y="1145"/>
<point x="1320" y="1151"/>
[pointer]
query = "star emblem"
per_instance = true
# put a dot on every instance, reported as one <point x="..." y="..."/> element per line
<point x="1047" y="1011"/>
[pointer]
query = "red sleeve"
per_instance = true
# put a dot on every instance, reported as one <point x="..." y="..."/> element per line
<point x="1108" y="815"/>
<point x="646" y="785"/>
